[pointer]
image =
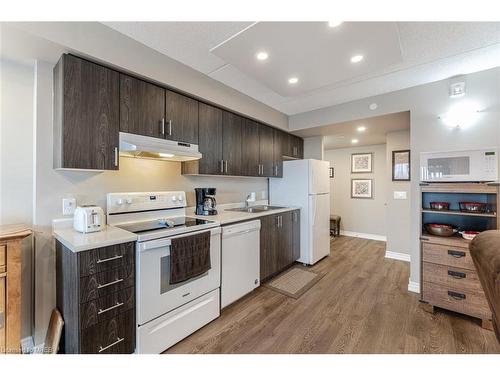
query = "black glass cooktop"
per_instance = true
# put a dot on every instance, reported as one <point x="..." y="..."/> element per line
<point x="151" y="225"/>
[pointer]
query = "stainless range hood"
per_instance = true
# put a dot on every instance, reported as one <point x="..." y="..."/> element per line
<point x="140" y="146"/>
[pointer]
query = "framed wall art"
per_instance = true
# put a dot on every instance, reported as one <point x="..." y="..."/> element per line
<point x="401" y="165"/>
<point x="362" y="163"/>
<point x="362" y="188"/>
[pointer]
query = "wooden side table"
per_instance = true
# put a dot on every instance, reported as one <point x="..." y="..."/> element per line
<point x="10" y="287"/>
<point x="335" y="225"/>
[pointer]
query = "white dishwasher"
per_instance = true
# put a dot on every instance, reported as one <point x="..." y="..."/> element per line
<point x="240" y="261"/>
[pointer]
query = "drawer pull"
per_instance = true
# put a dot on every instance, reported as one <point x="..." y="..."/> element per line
<point x="102" y="311"/>
<point x="455" y="295"/>
<point x="456" y="253"/>
<point x="99" y="286"/>
<point x="457" y="275"/>
<point x="109" y="259"/>
<point x="101" y="349"/>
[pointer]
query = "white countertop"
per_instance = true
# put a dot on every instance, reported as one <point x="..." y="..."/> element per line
<point x="224" y="216"/>
<point x="76" y="241"/>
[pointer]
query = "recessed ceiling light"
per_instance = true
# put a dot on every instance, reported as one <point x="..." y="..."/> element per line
<point x="357" y="58"/>
<point x="293" y="80"/>
<point x="361" y="128"/>
<point x="373" y="106"/>
<point x="354" y="141"/>
<point x="262" y="56"/>
<point x="334" y="23"/>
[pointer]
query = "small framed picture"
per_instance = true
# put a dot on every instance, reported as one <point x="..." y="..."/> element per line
<point x="401" y="165"/>
<point x="332" y="172"/>
<point x="362" y="163"/>
<point x="362" y="188"/>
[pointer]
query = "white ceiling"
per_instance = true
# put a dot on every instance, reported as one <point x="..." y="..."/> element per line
<point x="397" y="55"/>
<point x="339" y="135"/>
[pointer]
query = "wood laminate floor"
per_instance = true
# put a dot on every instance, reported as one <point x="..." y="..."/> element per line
<point x="361" y="305"/>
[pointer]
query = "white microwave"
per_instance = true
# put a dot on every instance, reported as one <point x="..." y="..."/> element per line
<point x="459" y="166"/>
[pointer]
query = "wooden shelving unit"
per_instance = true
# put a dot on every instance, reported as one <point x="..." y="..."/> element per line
<point x="461" y="213"/>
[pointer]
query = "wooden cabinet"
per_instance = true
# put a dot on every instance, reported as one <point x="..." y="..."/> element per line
<point x="266" y="150"/>
<point x="250" y="151"/>
<point x="181" y="118"/>
<point x="210" y="140"/>
<point x="95" y="292"/>
<point x="448" y="275"/>
<point x="279" y="144"/>
<point x="2" y="313"/>
<point x="86" y="115"/>
<point x="232" y="125"/>
<point x="293" y="146"/>
<point x="279" y="242"/>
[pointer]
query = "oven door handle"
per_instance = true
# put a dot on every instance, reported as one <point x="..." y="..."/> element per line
<point x="166" y="242"/>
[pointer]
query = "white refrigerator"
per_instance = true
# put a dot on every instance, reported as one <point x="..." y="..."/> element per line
<point x="306" y="184"/>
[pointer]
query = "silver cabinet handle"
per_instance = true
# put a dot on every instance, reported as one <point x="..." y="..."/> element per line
<point x="276" y="170"/>
<point x="225" y="165"/>
<point x="163" y="126"/>
<point x="101" y="349"/>
<point x="99" y="286"/>
<point x="116" y="156"/>
<point x="102" y="311"/>
<point x="281" y="221"/>
<point x="109" y="259"/>
<point x="222" y="166"/>
<point x="169" y="127"/>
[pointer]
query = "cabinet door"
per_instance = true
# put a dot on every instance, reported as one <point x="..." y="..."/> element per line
<point x="278" y="146"/>
<point x="284" y="240"/>
<point x="2" y="314"/>
<point x="86" y="115"/>
<point x="297" y="144"/>
<point x="142" y="107"/>
<point x="231" y="143"/>
<point x="250" y="148"/>
<point x="268" y="256"/>
<point x="181" y="118"/>
<point x="266" y="148"/>
<point x="210" y="140"/>
<point x="296" y="235"/>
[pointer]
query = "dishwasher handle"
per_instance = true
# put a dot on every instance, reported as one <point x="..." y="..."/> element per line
<point x="239" y="229"/>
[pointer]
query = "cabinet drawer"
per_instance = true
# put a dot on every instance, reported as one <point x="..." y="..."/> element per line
<point x="451" y="277"/>
<point x="106" y="258"/>
<point x="456" y="299"/>
<point x="106" y="307"/>
<point x="104" y="283"/>
<point x="3" y="258"/>
<point x="447" y="255"/>
<point x="112" y="336"/>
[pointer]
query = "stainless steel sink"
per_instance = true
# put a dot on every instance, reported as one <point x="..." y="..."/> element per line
<point x="255" y="209"/>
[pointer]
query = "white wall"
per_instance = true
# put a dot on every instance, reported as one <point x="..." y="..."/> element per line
<point x="428" y="133"/>
<point x="16" y="165"/>
<point x="365" y="216"/>
<point x="314" y="148"/>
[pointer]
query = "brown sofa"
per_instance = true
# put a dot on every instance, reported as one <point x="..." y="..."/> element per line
<point x="485" y="252"/>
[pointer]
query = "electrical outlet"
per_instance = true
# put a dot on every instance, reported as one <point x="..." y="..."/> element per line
<point x="400" y="195"/>
<point x="69" y="205"/>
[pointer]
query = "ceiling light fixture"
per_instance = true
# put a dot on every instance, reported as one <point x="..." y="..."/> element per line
<point x="262" y="56"/>
<point x="357" y="58"/>
<point x="361" y="129"/>
<point x="354" y="141"/>
<point x="334" y="23"/>
<point x="293" y="80"/>
<point x="373" y="106"/>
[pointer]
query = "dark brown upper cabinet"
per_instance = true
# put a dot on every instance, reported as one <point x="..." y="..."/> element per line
<point x="231" y="143"/>
<point x="279" y="143"/>
<point x="142" y="107"/>
<point x="181" y="118"/>
<point x="293" y="147"/>
<point x="210" y="140"/>
<point x="86" y="115"/>
<point x="250" y="149"/>
<point x="266" y="147"/>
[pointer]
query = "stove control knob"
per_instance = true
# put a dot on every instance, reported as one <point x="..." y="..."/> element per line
<point x="174" y="198"/>
<point x="119" y="202"/>
<point x="181" y="198"/>
<point x="129" y="201"/>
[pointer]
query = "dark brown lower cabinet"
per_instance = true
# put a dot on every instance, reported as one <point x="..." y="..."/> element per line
<point x="95" y="291"/>
<point x="279" y="242"/>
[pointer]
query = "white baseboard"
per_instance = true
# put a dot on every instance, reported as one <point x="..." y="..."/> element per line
<point x="398" y="256"/>
<point x="413" y="287"/>
<point x="368" y="236"/>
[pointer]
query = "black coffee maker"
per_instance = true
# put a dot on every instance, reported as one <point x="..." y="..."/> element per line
<point x="205" y="201"/>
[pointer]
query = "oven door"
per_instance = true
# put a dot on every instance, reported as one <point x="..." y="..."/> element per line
<point x="155" y="295"/>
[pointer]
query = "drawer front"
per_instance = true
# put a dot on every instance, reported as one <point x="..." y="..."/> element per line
<point x="112" y="336"/>
<point x="447" y="255"/>
<point x="456" y="299"/>
<point x="104" y="283"/>
<point x="106" y="307"/>
<point x="106" y="258"/>
<point x="3" y="258"/>
<point x="451" y="277"/>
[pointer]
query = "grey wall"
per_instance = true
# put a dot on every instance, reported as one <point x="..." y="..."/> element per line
<point x="364" y="216"/>
<point x="398" y="211"/>
<point x="313" y="148"/>
<point x="428" y="133"/>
